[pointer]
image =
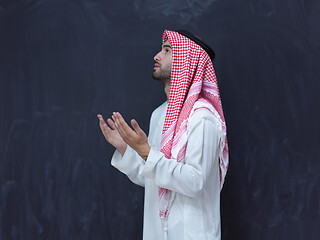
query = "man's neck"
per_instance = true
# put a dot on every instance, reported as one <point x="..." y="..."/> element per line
<point x="167" y="89"/>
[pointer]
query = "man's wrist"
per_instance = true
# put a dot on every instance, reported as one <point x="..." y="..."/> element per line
<point x="144" y="155"/>
<point x="122" y="150"/>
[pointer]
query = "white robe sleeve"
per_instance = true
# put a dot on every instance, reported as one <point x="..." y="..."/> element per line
<point x="129" y="164"/>
<point x="190" y="177"/>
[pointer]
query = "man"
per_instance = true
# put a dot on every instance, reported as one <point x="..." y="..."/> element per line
<point x="183" y="162"/>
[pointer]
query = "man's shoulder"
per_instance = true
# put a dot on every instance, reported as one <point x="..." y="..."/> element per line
<point x="159" y="110"/>
<point x="206" y="113"/>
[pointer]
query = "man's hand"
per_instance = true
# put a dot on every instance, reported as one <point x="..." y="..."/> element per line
<point x="112" y="135"/>
<point x="136" y="138"/>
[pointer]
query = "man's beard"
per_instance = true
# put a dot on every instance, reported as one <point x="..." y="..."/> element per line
<point x="163" y="75"/>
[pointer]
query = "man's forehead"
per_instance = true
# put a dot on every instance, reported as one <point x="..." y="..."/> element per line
<point x="166" y="43"/>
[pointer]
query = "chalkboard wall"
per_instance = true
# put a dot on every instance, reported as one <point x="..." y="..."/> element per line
<point x="62" y="62"/>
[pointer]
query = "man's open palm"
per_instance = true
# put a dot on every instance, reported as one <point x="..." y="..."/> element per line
<point x="111" y="134"/>
<point x="135" y="138"/>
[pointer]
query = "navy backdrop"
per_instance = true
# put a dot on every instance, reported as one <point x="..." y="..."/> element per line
<point x="62" y="62"/>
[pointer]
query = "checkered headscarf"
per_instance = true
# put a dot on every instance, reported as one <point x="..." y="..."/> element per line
<point x="192" y="80"/>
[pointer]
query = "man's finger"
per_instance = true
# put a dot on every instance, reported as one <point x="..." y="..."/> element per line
<point x="102" y="123"/>
<point x="115" y="121"/>
<point x="136" y="126"/>
<point x="111" y="123"/>
<point x="104" y="127"/>
<point x="121" y="122"/>
<point x="100" y="117"/>
<point x="118" y="126"/>
<point x="122" y="133"/>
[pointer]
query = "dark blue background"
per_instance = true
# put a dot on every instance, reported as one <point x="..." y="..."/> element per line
<point x="62" y="62"/>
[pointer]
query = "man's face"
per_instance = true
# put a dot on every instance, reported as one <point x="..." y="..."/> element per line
<point x="163" y="63"/>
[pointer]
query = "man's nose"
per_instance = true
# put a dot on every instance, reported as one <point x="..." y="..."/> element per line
<point x="157" y="58"/>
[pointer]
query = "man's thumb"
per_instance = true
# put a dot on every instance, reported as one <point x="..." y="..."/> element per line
<point x="136" y="126"/>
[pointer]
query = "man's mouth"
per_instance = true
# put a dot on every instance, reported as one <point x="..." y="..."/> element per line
<point x="156" y="65"/>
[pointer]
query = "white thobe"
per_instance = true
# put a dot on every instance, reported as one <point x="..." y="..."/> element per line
<point x="195" y="211"/>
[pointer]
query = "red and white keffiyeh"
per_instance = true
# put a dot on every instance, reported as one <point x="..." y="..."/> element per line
<point x="193" y="80"/>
